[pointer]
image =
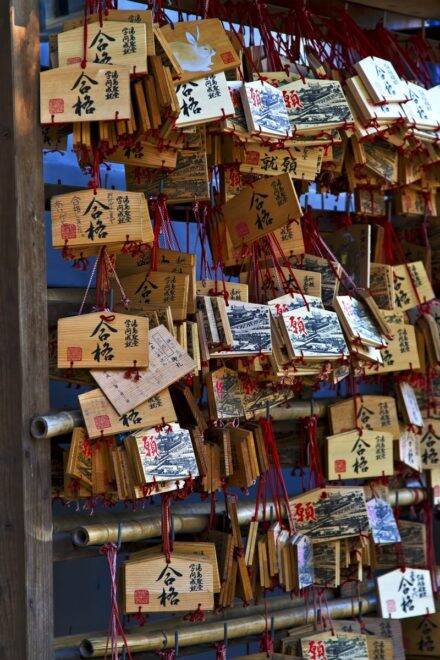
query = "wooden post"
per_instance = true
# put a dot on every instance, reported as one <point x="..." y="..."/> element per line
<point x="26" y="626"/>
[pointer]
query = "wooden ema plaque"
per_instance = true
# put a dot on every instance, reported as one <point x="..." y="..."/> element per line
<point x="377" y="629"/>
<point x="260" y="209"/>
<point x="201" y="48"/>
<point x="101" y="340"/>
<point x="187" y="183"/>
<point x="299" y="162"/>
<point x="404" y="594"/>
<point x="203" y="548"/>
<point x="332" y="513"/>
<point x="104" y="217"/>
<point x="234" y="290"/>
<point x="409" y="279"/>
<point x="340" y="645"/>
<point x="372" y="412"/>
<point x="355" y="455"/>
<point x="124" y="15"/>
<point x="421" y="636"/>
<point x="144" y="154"/>
<point x="152" y="585"/>
<point x="168" y="363"/>
<point x="157" y="289"/>
<point x="115" y="43"/>
<point x="102" y="419"/>
<point x="73" y="94"/>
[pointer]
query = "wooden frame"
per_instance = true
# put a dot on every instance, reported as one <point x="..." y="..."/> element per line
<point x="25" y="518"/>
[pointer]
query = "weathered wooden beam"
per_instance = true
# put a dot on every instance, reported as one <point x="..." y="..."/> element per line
<point x="25" y="513"/>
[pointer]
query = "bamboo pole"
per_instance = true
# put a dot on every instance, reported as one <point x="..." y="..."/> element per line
<point x="211" y="632"/>
<point x="191" y="519"/>
<point x="49" y="426"/>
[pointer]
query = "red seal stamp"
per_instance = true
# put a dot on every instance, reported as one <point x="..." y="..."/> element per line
<point x="391" y="605"/>
<point x="252" y="158"/>
<point x="242" y="229"/>
<point x="74" y="60"/>
<point x="56" y="106"/>
<point x="68" y="230"/>
<point x="74" y="353"/>
<point x="102" y="422"/>
<point x="141" y="596"/>
<point x="341" y="465"/>
<point x="227" y="57"/>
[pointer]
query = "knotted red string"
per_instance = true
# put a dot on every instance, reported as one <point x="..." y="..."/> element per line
<point x="116" y="630"/>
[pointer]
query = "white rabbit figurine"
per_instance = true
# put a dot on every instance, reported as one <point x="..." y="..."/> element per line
<point x="193" y="56"/>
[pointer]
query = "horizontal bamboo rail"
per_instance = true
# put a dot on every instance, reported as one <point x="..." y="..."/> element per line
<point x="54" y="424"/>
<point x="191" y="519"/>
<point x="214" y="631"/>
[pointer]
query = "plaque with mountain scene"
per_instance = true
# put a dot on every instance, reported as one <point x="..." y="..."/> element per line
<point x="315" y="333"/>
<point x="315" y="105"/>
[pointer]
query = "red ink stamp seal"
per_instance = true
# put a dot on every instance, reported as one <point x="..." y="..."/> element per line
<point x="391" y="605"/>
<point x="341" y="465"/>
<point x="141" y="597"/>
<point x="68" y="230"/>
<point x="56" y="106"/>
<point x="242" y="229"/>
<point x="227" y="57"/>
<point x="74" y="353"/>
<point x="102" y="422"/>
<point x="252" y="158"/>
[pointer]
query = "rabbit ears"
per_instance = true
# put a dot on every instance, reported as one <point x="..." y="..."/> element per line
<point x="193" y="39"/>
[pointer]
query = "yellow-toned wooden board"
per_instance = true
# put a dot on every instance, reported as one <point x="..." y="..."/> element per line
<point x="144" y="154"/>
<point x="115" y="43"/>
<point x="189" y="182"/>
<point x="203" y="548"/>
<point x="79" y="461"/>
<point x="73" y="94"/>
<point x="260" y="209"/>
<point x="124" y="15"/>
<point x="430" y="444"/>
<point x="86" y="218"/>
<point x="157" y="288"/>
<point x="153" y="585"/>
<point x="102" y="419"/>
<point x="355" y="455"/>
<point x="372" y="412"/>
<point x="299" y="162"/>
<point x="235" y="290"/>
<point x="167" y="364"/>
<point x="411" y="285"/>
<point x="101" y="340"/>
<point x="421" y="636"/>
<point x="201" y="48"/>
<point x="290" y="239"/>
<point x="401" y="353"/>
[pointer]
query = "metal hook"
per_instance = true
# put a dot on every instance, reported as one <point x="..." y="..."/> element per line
<point x="272" y="629"/>
<point x="271" y="514"/>
<point x="225" y="634"/>
<point x="119" y="540"/>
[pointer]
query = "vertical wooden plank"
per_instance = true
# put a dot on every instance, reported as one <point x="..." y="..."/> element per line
<point x="25" y="514"/>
